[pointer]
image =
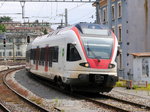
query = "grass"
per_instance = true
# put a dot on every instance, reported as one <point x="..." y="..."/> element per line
<point x="122" y="83"/>
<point x="142" y="88"/>
<point x="37" y="100"/>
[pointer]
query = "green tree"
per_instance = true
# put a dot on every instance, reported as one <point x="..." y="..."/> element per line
<point x="5" y="19"/>
<point x="2" y="28"/>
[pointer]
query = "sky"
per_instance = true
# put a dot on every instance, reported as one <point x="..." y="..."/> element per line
<point x="49" y="11"/>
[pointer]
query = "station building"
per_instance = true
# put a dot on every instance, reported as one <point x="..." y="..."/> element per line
<point x="130" y="21"/>
<point x="16" y="38"/>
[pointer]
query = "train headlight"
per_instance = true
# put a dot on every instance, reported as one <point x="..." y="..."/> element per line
<point x="86" y="64"/>
<point x="111" y="66"/>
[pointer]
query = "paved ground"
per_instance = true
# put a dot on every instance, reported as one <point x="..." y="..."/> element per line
<point x="63" y="101"/>
<point x="24" y="79"/>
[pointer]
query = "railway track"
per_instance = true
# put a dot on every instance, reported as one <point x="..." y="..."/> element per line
<point x="117" y="104"/>
<point x="11" y="100"/>
<point x="130" y="94"/>
<point x="112" y="103"/>
<point x="3" y="108"/>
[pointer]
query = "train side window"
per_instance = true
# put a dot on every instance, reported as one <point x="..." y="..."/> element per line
<point x="42" y="56"/>
<point x="34" y="54"/>
<point x="37" y="55"/>
<point x="28" y="56"/>
<point x="40" y="62"/>
<point x="55" y="54"/>
<point x="31" y="55"/>
<point x="72" y="53"/>
<point x="50" y="56"/>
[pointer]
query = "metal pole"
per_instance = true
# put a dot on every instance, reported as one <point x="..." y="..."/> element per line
<point x="98" y="21"/>
<point x="22" y="3"/>
<point x="5" y="57"/>
<point x="66" y="17"/>
<point x="109" y="14"/>
<point x="5" y="54"/>
<point x="61" y="22"/>
<point x="13" y="50"/>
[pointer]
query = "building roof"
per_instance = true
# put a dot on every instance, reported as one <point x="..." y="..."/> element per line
<point x="144" y="54"/>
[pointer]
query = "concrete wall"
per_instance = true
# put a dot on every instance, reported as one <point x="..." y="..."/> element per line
<point x="139" y="25"/>
<point x="137" y="32"/>
<point x="141" y="69"/>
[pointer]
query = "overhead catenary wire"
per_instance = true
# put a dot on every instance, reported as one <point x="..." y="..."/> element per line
<point x="89" y="15"/>
<point x="58" y="14"/>
<point x="62" y="13"/>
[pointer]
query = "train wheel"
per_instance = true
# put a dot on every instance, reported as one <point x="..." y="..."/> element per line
<point x="61" y="84"/>
<point x="56" y="81"/>
<point x="70" y="88"/>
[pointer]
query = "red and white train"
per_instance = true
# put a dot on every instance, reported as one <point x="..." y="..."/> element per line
<point x="81" y="57"/>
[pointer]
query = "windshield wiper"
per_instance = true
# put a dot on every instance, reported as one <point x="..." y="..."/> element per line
<point x="88" y="48"/>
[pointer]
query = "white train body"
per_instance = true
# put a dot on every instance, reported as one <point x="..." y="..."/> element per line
<point x="80" y="56"/>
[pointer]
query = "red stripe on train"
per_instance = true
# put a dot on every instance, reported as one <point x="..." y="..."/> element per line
<point x="95" y="63"/>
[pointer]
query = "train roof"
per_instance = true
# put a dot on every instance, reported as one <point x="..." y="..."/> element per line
<point x="83" y="25"/>
<point x="90" y="28"/>
<point x="84" y="29"/>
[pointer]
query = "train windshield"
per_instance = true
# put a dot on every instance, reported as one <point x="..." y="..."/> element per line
<point x="98" y="48"/>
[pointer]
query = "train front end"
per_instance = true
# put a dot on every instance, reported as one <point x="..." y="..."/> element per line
<point x="97" y="72"/>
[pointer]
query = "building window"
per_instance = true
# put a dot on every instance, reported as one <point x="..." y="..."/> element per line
<point x="119" y="9"/>
<point x="119" y="33"/>
<point x="113" y="29"/>
<point x="18" y="47"/>
<point x="18" y="53"/>
<point x="10" y="53"/>
<point x="0" y="53"/>
<point x="119" y="61"/>
<point x="104" y="15"/>
<point x="10" y="40"/>
<point x="113" y="12"/>
<point x="18" y="40"/>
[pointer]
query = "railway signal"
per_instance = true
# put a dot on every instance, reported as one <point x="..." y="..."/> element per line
<point x="28" y="39"/>
<point x="4" y="42"/>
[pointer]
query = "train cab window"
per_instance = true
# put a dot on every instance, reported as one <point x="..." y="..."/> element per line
<point x="72" y="53"/>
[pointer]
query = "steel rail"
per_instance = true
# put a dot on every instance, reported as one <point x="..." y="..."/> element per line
<point x="127" y="102"/>
<point x="3" y="107"/>
<point x="131" y="94"/>
<point x="76" y="95"/>
<point x="41" y="109"/>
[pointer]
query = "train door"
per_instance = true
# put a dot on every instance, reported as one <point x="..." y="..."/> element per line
<point x="46" y="58"/>
<point x="72" y="57"/>
<point x="37" y="57"/>
<point x="61" y="58"/>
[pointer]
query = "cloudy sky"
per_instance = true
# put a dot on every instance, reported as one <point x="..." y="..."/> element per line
<point x="49" y="11"/>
